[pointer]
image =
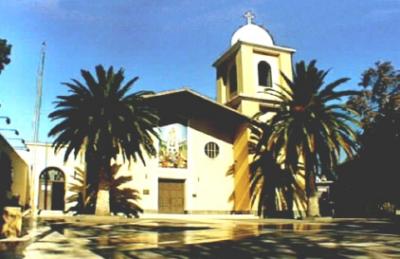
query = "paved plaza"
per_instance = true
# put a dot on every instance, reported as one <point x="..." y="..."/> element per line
<point x="110" y="237"/>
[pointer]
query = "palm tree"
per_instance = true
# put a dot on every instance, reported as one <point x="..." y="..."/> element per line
<point x="102" y="119"/>
<point x="122" y="199"/>
<point x="273" y="187"/>
<point x="310" y="128"/>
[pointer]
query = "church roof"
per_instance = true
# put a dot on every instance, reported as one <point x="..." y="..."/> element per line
<point x="189" y="103"/>
<point x="252" y="33"/>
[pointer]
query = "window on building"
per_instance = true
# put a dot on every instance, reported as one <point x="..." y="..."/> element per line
<point x="211" y="149"/>
<point x="233" y="81"/>
<point x="264" y="74"/>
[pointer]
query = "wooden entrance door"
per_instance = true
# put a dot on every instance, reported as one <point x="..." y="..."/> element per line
<point x="51" y="189"/>
<point x="171" y="196"/>
<point x="57" y="196"/>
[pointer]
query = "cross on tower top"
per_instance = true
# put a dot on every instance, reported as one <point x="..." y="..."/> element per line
<point x="249" y="16"/>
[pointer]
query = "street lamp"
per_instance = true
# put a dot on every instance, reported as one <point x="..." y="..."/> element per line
<point x="22" y="148"/>
<point x="8" y="120"/>
<point x="14" y="130"/>
<point x="21" y="139"/>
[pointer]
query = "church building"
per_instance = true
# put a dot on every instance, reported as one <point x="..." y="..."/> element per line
<point x="202" y="163"/>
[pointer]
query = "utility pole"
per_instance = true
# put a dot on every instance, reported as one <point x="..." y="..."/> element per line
<point x="38" y="105"/>
<point x="36" y="125"/>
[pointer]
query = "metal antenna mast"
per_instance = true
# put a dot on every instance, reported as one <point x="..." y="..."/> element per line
<point x="38" y="105"/>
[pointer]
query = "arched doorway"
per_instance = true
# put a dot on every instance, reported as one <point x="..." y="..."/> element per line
<point x="51" y="189"/>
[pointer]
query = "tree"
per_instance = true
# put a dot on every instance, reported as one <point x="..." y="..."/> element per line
<point x="5" y="51"/>
<point x="122" y="199"/>
<point x="310" y="128"/>
<point x="269" y="183"/>
<point x="377" y="162"/>
<point x="380" y="86"/>
<point x="103" y="120"/>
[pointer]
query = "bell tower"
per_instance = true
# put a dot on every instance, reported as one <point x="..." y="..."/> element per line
<point x="251" y="64"/>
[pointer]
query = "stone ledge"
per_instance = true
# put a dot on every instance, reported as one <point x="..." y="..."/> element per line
<point x="24" y="238"/>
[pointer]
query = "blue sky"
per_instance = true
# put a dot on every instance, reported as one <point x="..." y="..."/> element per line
<point x="170" y="44"/>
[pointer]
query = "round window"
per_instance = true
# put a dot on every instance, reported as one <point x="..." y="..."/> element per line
<point x="211" y="149"/>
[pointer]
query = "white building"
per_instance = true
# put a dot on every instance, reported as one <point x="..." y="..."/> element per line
<point x="203" y="162"/>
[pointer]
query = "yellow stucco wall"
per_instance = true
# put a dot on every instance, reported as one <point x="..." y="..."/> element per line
<point x="221" y="84"/>
<point x="250" y="96"/>
<point x="246" y="58"/>
<point x="21" y="183"/>
<point x="244" y="63"/>
<point x="20" y="173"/>
<point x="242" y="174"/>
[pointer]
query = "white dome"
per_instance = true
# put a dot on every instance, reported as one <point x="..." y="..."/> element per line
<point x="252" y="33"/>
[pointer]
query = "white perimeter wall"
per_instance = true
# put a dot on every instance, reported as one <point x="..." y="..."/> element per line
<point x="40" y="157"/>
<point x="208" y="187"/>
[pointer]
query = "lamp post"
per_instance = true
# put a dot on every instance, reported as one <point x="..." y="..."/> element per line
<point x="8" y="120"/>
<point x="14" y="130"/>
<point x="22" y="148"/>
<point x="21" y="139"/>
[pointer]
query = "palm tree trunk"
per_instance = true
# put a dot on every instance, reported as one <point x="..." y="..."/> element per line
<point x="312" y="197"/>
<point x="289" y="201"/>
<point x="270" y="208"/>
<point x="103" y="193"/>
<point x="313" y="206"/>
<point x="91" y="181"/>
